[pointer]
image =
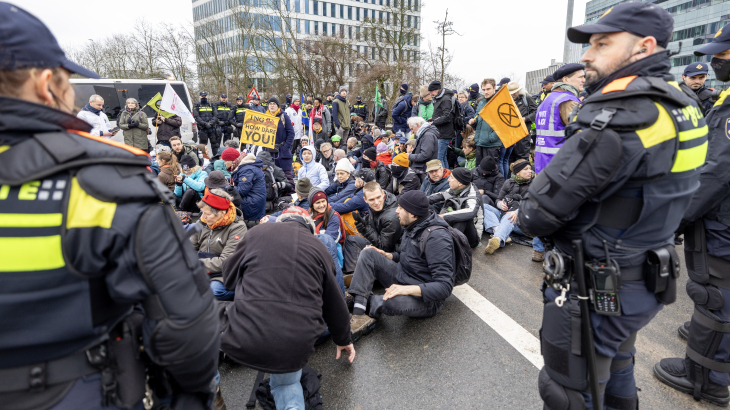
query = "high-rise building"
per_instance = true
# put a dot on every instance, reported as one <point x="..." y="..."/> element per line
<point x="535" y="77"/>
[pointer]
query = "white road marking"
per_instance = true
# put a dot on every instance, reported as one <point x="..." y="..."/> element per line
<point x="511" y="331"/>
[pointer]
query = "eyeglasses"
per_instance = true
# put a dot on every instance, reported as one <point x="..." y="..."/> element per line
<point x="327" y="151"/>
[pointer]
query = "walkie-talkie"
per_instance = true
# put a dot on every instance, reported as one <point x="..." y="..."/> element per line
<point x="605" y="281"/>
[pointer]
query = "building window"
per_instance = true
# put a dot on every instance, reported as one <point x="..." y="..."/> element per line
<point x="349" y="31"/>
<point x="316" y="7"/>
<point x="324" y="29"/>
<point x="349" y="12"/>
<point x="316" y="28"/>
<point x="324" y="9"/>
<point x="306" y="6"/>
<point x="306" y="26"/>
<point x="297" y="7"/>
<point x="342" y="11"/>
<point x="357" y="14"/>
<point x="333" y="10"/>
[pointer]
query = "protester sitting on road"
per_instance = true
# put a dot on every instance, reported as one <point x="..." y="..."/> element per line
<point x="426" y="145"/>
<point x="167" y="128"/>
<point x="417" y="283"/>
<point x="277" y="185"/>
<point x="327" y="220"/>
<point x="301" y="200"/>
<point x="179" y="149"/>
<point x="326" y="157"/>
<point x="488" y="179"/>
<point x="340" y="154"/>
<point x="93" y="113"/>
<point x="249" y="180"/>
<point x="462" y="205"/>
<point x="169" y="169"/>
<point x="344" y="185"/>
<point x="222" y="227"/>
<point x="382" y="173"/>
<point x="383" y="155"/>
<point x="134" y="125"/>
<point x="379" y="227"/>
<point x="336" y="142"/>
<point x="217" y="180"/>
<point x="273" y="325"/>
<point x="189" y="186"/>
<point x="311" y="169"/>
<point x="469" y="152"/>
<point x="502" y="220"/>
<point x="229" y="156"/>
<point x="404" y="178"/>
<point x="352" y="145"/>
<point x="356" y="201"/>
<point x="217" y="157"/>
<point x="437" y="181"/>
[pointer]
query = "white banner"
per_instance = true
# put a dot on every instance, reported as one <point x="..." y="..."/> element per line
<point x="171" y="102"/>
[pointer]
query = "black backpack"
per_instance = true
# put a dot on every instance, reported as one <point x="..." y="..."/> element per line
<point x="463" y="252"/>
<point x="458" y="112"/>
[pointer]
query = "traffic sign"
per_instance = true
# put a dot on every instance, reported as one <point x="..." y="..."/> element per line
<point x="253" y="94"/>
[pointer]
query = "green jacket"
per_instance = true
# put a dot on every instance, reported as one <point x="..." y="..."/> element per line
<point x="471" y="159"/>
<point x="484" y="134"/>
<point x="425" y="111"/>
<point x="137" y="136"/>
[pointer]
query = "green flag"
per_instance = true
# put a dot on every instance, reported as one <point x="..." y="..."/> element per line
<point x="155" y="102"/>
<point x="378" y="100"/>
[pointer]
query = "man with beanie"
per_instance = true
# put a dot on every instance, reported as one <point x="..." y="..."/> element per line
<point x="301" y="190"/>
<point x="488" y="179"/>
<point x="383" y="174"/>
<point x="437" y="181"/>
<point x="402" y="110"/>
<point x="461" y="205"/>
<point x="341" y="113"/>
<point x="416" y="283"/>
<point x="344" y="185"/>
<point x="443" y="118"/>
<point x="473" y="91"/>
<point x="404" y="178"/>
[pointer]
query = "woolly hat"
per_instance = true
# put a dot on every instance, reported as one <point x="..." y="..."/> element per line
<point x="187" y="162"/>
<point x="376" y="134"/>
<point x="487" y="165"/>
<point x="474" y="88"/>
<point x="423" y="91"/>
<point x="342" y="88"/>
<point x="216" y="202"/>
<point x="303" y="187"/>
<point x="336" y="138"/>
<point x="414" y="202"/>
<point x="519" y="165"/>
<point x="315" y="194"/>
<point x="371" y="153"/>
<point x="365" y="174"/>
<point x="295" y="210"/>
<point x="249" y="159"/>
<point x="382" y="148"/>
<point x="462" y="175"/>
<point x="344" y="165"/>
<point x="435" y="85"/>
<point x="275" y="101"/>
<point x="230" y="154"/>
<point x="404" y="87"/>
<point x="401" y="160"/>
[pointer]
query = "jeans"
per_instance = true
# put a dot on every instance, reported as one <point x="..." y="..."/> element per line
<point x="504" y="154"/>
<point x="287" y="390"/>
<point x="371" y="266"/>
<point x="220" y="292"/>
<point x="504" y="227"/>
<point x="353" y="246"/>
<point x="443" y="143"/>
<point x="331" y="245"/>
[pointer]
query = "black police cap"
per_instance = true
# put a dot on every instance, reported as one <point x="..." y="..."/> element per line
<point x="567" y="70"/>
<point x="696" y="69"/>
<point x="224" y="95"/>
<point x="638" y="18"/>
<point x="25" y="42"/>
<point x="548" y="79"/>
<point x="239" y="98"/>
<point x="720" y="43"/>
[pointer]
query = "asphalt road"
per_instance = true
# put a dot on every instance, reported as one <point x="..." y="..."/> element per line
<point x="455" y="360"/>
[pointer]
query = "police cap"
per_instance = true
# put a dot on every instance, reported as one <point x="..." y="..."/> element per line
<point x="224" y="95"/>
<point x="696" y="69"/>
<point x="567" y="70"/>
<point x="359" y="98"/>
<point x="25" y="42"/>
<point x="330" y="95"/>
<point x="720" y="43"/>
<point x="638" y="18"/>
<point x="548" y="79"/>
<point x="239" y="98"/>
<point x="203" y="94"/>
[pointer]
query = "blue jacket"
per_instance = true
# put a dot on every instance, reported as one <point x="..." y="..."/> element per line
<point x="469" y="112"/>
<point x="313" y="170"/>
<point x="284" y="135"/>
<point x="401" y="113"/>
<point x="356" y="203"/>
<point x="338" y="192"/>
<point x="250" y="183"/>
<point x="195" y="181"/>
<point x="333" y="227"/>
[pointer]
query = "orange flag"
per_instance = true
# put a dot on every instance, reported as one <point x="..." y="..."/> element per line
<point x="502" y="114"/>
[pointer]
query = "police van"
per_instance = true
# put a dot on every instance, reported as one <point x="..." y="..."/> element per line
<point x="116" y="92"/>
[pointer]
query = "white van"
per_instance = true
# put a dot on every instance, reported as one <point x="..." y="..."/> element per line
<point x="116" y="92"/>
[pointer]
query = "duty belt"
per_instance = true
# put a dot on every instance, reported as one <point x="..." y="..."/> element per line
<point x="632" y="273"/>
<point x="40" y="375"/>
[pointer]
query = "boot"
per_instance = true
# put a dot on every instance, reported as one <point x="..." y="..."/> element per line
<point x="684" y="331"/>
<point x="492" y="245"/>
<point x="350" y="301"/>
<point x="347" y="279"/>
<point x="538" y="256"/>
<point x="672" y="372"/>
<point x="219" y="404"/>
<point x="361" y="325"/>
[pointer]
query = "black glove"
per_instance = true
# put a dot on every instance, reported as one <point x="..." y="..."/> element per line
<point x="209" y="124"/>
<point x="239" y="125"/>
<point x="133" y="124"/>
<point x="359" y="222"/>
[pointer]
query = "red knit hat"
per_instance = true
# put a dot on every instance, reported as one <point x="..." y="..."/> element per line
<point x="216" y="202"/>
<point x="230" y="154"/>
<point x="295" y="210"/>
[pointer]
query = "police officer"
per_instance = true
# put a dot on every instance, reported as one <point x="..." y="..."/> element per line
<point x="205" y="116"/>
<point x="328" y="103"/>
<point x="88" y="238"/>
<point x="704" y="372"/>
<point x="473" y="91"/>
<point x="287" y="103"/>
<point x="613" y="196"/>
<point x="547" y="87"/>
<point x="693" y="84"/>
<point x="361" y="109"/>
<point x="265" y="104"/>
<point x="224" y="130"/>
<point x="255" y="105"/>
<point x="237" y="114"/>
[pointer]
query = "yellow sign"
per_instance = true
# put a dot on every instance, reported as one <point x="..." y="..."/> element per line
<point x="259" y="129"/>
<point x="502" y="114"/>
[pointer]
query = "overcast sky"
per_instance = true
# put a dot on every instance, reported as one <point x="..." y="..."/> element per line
<point x="498" y="38"/>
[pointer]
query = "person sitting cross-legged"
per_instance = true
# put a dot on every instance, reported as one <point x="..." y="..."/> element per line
<point x="437" y="180"/>
<point x="461" y="205"/>
<point x="417" y="283"/>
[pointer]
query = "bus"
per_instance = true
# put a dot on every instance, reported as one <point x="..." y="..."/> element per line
<point x="116" y="92"/>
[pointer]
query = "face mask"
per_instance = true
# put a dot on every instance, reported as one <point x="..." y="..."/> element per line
<point x="721" y="67"/>
<point x="204" y="100"/>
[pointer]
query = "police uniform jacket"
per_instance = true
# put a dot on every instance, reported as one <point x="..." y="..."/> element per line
<point x="205" y="114"/>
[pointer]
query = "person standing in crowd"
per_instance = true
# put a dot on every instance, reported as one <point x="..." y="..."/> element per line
<point x="361" y="109"/>
<point x="502" y="82"/>
<point x="249" y="180"/>
<point x="221" y="229"/>
<point x="326" y="220"/>
<point x="488" y="143"/>
<point x="206" y="116"/>
<point x="255" y="105"/>
<point x="169" y="169"/>
<point x="294" y="112"/>
<point x="311" y="169"/>
<point x="380" y="114"/>
<point x="416" y="283"/>
<point x="489" y="180"/>
<point x="224" y="128"/>
<point x="189" y="186"/>
<point x="461" y="206"/>
<point x="167" y="128"/>
<point x="93" y="113"/>
<point x="437" y="181"/>
<point x="328" y="103"/>
<point x="703" y="372"/>
<point x="134" y="125"/>
<point x="426" y="145"/>
<point x="270" y="327"/>
<point x="284" y="139"/>
<point x="62" y="301"/>
<point x="469" y="113"/>
<point x="341" y="114"/>
<point x="547" y="88"/>
<point x="401" y="110"/>
<point x="443" y="118"/>
<point x="552" y="115"/>
<point x="628" y="99"/>
<point x="179" y="149"/>
<point x="693" y="84"/>
<point x="238" y="113"/>
<point x="424" y="107"/>
<point x="528" y="110"/>
<point x="473" y="96"/>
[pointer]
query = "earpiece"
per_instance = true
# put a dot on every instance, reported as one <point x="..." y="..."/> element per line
<point x="643" y="50"/>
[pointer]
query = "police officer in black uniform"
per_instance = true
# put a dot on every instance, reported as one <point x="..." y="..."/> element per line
<point x="237" y="114"/>
<point x="224" y="129"/>
<point x="361" y="109"/>
<point x="609" y="203"/>
<point x="704" y="372"/>
<point x="93" y="257"/>
<point x="328" y="103"/>
<point x="205" y="115"/>
<point x="693" y="84"/>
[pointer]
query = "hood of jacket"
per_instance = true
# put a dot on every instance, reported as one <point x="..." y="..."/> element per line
<point x="369" y="139"/>
<point x="265" y="157"/>
<point x="27" y="117"/>
<point x="310" y="149"/>
<point x="656" y="65"/>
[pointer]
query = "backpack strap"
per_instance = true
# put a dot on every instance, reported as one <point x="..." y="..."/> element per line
<point x="424" y="236"/>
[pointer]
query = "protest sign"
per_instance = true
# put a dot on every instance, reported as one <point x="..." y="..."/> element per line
<point x="259" y="129"/>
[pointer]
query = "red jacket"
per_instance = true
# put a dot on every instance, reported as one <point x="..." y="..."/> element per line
<point x="385" y="158"/>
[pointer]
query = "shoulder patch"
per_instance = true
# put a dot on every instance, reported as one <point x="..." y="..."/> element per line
<point x="618" y="85"/>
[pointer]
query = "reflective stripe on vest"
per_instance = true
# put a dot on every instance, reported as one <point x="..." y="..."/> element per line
<point x="551" y="131"/>
<point x="223" y="108"/>
<point x="205" y="108"/>
<point x="547" y="150"/>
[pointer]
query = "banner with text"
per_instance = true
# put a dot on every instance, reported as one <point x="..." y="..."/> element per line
<point x="259" y="129"/>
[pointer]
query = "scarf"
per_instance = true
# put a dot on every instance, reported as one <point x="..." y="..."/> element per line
<point x="316" y="113"/>
<point x="268" y="112"/>
<point x="374" y="164"/>
<point x="227" y="219"/>
<point x="566" y="87"/>
<point x="91" y="109"/>
<point x="422" y="102"/>
<point x="295" y="107"/>
<point x="521" y="181"/>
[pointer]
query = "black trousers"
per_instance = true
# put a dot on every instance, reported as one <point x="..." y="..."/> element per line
<point x="351" y="251"/>
<point x="470" y="231"/>
<point x="483" y="152"/>
<point x="188" y="201"/>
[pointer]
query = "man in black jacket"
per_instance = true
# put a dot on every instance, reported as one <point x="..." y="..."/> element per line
<point x="427" y="145"/>
<point x="379" y="227"/>
<point x="206" y="116"/>
<point x="443" y="118"/>
<point x="417" y="283"/>
<point x="488" y="180"/>
<point x="167" y="128"/>
<point x="236" y="116"/>
<point x="693" y="84"/>
<point x="461" y="206"/>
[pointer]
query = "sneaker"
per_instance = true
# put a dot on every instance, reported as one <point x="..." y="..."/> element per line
<point x="219" y="404"/>
<point x="672" y="372"/>
<point x="538" y="256"/>
<point x="350" y="301"/>
<point x="361" y="325"/>
<point x="684" y="331"/>
<point x="492" y="245"/>
<point x="509" y="240"/>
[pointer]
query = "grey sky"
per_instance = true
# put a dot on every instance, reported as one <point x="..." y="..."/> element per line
<point x="498" y="38"/>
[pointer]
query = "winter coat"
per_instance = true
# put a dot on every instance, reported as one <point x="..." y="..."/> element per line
<point x="466" y="206"/>
<point x="356" y="203"/>
<point x="327" y="163"/>
<point x="484" y="135"/>
<point x="250" y="183"/>
<point x="134" y="136"/>
<point x="220" y="165"/>
<point x="195" y="181"/>
<point x="167" y="177"/>
<point x="432" y="270"/>
<point x="278" y="175"/>
<point x="511" y="187"/>
<point x="187" y="149"/>
<point x="365" y="143"/>
<point x="404" y="180"/>
<point x="423" y="109"/>
<point x="339" y="191"/>
<point x="333" y="225"/>
<point x="426" y="147"/>
<point x="527" y="107"/>
<point x="296" y="121"/>
<point x="168" y="127"/>
<point x="471" y="158"/>
<point x="443" y="116"/>
<point x="220" y="241"/>
<point x="401" y="112"/>
<point x="313" y="170"/>
<point x="490" y="183"/>
<point x="97" y="119"/>
<point x="468" y="112"/>
<point x="382" y="228"/>
<point x="281" y="305"/>
<point x="284" y="136"/>
<point x="382" y="115"/>
<point x="326" y="123"/>
<point x="385" y="158"/>
<point x="429" y="187"/>
<point x="340" y="113"/>
<point x="382" y="175"/>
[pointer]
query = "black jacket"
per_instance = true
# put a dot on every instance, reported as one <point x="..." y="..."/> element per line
<point x="490" y="183"/>
<point x="382" y="174"/>
<point x="274" y="175"/>
<point x="167" y="127"/>
<point x="527" y="107"/>
<point x="432" y="270"/>
<point x="383" y="228"/>
<point x="382" y="114"/>
<point x="702" y="96"/>
<point x="205" y="114"/>
<point x="404" y="180"/>
<point x="281" y="305"/>
<point x="443" y="116"/>
<point x="426" y="148"/>
<point x="510" y="188"/>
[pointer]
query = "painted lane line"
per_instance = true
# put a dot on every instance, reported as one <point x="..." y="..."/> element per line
<point x="511" y="331"/>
